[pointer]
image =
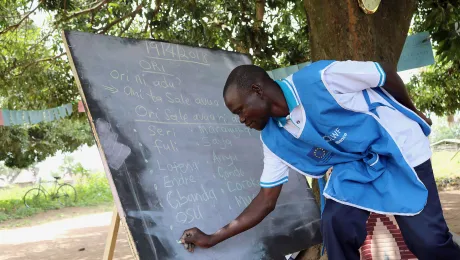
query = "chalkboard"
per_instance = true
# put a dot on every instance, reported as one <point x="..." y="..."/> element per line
<point x="175" y="156"/>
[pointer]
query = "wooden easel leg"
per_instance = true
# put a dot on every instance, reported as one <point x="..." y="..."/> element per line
<point x="112" y="236"/>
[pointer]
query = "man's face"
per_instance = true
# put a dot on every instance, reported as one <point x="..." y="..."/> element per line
<point x="252" y="108"/>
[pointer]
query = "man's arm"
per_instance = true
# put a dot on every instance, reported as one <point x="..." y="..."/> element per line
<point x="257" y="210"/>
<point x="395" y="86"/>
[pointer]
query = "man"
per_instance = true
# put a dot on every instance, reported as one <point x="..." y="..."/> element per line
<point x="356" y="117"/>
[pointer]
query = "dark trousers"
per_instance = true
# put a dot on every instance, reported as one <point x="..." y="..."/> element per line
<point x="426" y="234"/>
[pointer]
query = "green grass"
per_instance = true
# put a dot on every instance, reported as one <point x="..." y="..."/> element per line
<point x="91" y="190"/>
<point x="444" y="166"/>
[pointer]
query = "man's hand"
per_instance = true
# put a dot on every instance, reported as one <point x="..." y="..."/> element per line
<point x="195" y="237"/>
<point x="427" y="120"/>
<point x="257" y="210"/>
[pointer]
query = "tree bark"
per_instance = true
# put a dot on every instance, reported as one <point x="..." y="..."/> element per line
<point x="260" y="10"/>
<point x="340" y="30"/>
<point x="450" y="120"/>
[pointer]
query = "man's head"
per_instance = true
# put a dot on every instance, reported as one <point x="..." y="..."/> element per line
<point x="245" y="94"/>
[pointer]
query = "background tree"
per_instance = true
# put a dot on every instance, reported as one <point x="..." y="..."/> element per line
<point x="436" y="89"/>
<point x="8" y="174"/>
<point x="34" y="73"/>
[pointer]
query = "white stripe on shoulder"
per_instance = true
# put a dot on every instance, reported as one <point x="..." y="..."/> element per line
<point x="297" y="101"/>
<point x="304" y="114"/>
<point x="382" y="74"/>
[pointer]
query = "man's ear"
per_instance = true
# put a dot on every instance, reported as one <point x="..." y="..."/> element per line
<point x="257" y="89"/>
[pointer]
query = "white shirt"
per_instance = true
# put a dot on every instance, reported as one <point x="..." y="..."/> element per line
<point x="346" y="80"/>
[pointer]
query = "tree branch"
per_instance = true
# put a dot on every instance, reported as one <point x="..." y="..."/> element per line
<point x="146" y="26"/>
<point x="260" y="10"/>
<point x="132" y="14"/>
<point x="42" y="40"/>
<point x="15" y="26"/>
<point x="25" y="66"/>
<point x="157" y="7"/>
<point x="127" y="26"/>
<point x="155" y="12"/>
<point x="88" y="10"/>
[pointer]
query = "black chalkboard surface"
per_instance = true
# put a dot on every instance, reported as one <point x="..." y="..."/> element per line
<point x="175" y="156"/>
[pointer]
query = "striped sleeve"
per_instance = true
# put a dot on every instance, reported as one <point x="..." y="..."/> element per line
<point x="275" y="170"/>
<point x="354" y="76"/>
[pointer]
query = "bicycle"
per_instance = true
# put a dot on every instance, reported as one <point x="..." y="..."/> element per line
<point x="63" y="192"/>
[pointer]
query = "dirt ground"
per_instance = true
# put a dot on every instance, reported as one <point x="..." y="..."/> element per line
<point x="80" y="233"/>
<point x="70" y="238"/>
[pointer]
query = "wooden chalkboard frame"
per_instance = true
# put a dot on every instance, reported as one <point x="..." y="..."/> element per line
<point x="119" y="210"/>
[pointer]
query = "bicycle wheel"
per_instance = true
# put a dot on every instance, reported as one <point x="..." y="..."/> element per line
<point x="66" y="194"/>
<point x="34" y="198"/>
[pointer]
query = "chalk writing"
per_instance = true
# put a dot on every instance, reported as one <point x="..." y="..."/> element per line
<point x="158" y="131"/>
<point x="178" y="167"/>
<point x="189" y="215"/>
<point x="224" y="158"/>
<point x="209" y="117"/>
<point x="119" y="76"/>
<point x="153" y="97"/>
<point x="170" y="182"/>
<point x="153" y="67"/>
<point x="242" y="185"/>
<point x="164" y="83"/>
<point x="177" y="99"/>
<point x="110" y="88"/>
<point x="178" y="116"/>
<point x="177" y="200"/>
<point x="236" y="131"/>
<point x="206" y="101"/>
<point x="244" y="201"/>
<point x="185" y="123"/>
<point x="226" y="174"/>
<point x="161" y="146"/>
<point x="174" y="52"/>
<point x="220" y="142"/>
<point x="129" y="91"/>
<point x="140" y="80"/>
<point x="142" y="111"/>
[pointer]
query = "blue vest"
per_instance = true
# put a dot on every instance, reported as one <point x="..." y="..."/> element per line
<point x="369" y="170"/>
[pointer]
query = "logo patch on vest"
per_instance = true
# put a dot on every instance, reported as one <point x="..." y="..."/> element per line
<point x="319" y="154"/>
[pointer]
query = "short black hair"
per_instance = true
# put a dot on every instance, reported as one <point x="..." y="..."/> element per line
<point x="243" y="76"/>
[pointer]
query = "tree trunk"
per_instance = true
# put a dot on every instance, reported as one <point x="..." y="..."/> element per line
<point x="450" y="120"/>
<point x="340" y="30"/>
